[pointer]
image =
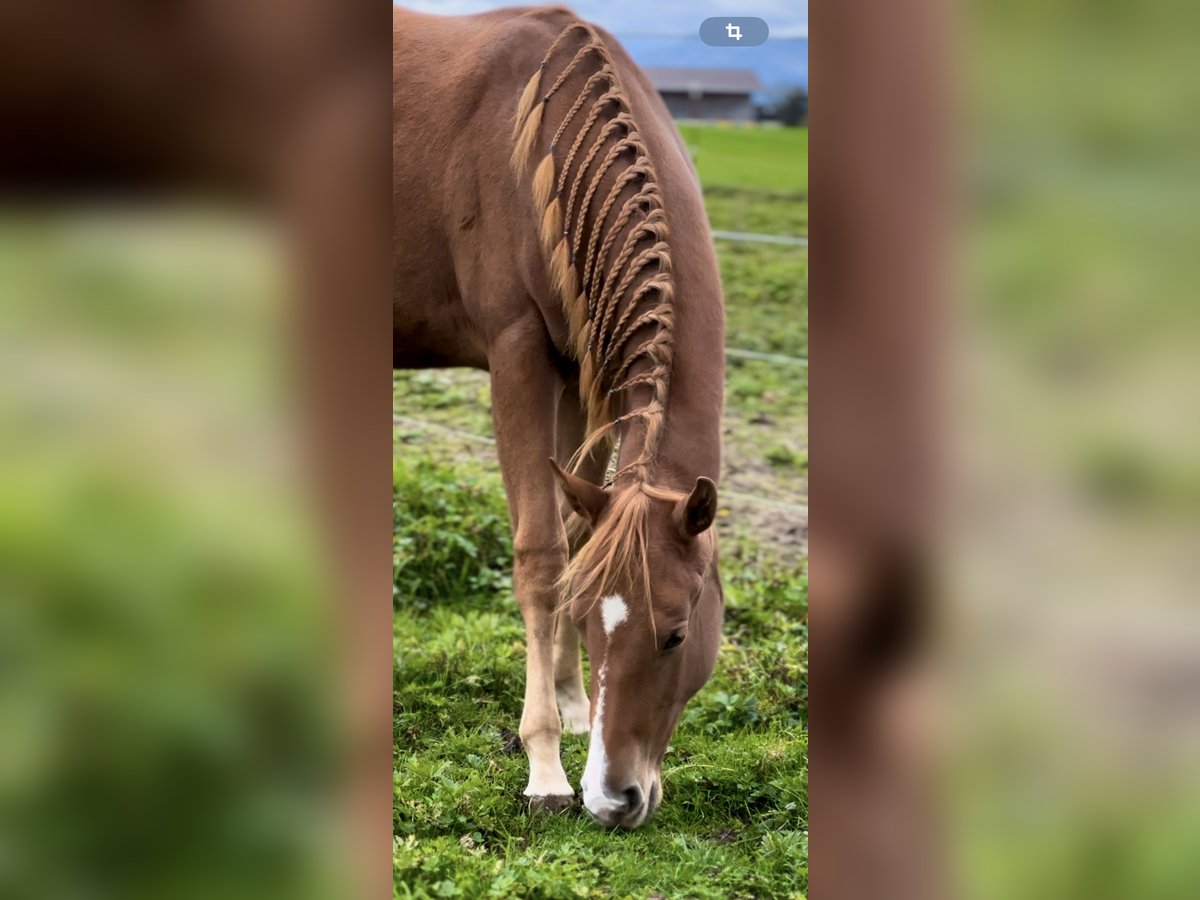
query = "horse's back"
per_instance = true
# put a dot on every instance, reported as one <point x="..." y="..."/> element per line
<point x="458" y="219"/>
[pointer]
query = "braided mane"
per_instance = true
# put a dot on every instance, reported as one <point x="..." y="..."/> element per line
<point x="605" y="236"/>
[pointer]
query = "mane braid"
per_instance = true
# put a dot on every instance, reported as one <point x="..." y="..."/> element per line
<point x="592" y="261"/>
<point x="604" y="74"/>
<point x="653" y="227"/>
<point x="609" y="96"/>
<point x="617" y="149"/>
<point x="641" y="201"/>
<point x="630" y="143"/>
<point x="611" y="305"/>
<point x="659" y="252"/>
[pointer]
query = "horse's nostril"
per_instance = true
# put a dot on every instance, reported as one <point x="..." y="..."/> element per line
<point x="633" y="797"/>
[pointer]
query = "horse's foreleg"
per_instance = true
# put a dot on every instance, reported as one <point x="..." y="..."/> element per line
<point x="525" y="391"/>
<point x="572" y="698"/>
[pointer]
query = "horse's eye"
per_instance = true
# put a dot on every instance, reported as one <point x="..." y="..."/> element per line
<point x="673" y="641"/>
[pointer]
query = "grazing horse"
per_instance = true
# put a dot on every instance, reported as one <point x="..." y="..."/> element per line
<point x="548" y="227"/>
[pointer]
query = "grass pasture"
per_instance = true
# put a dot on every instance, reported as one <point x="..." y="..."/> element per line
<point x="734" y="817"/>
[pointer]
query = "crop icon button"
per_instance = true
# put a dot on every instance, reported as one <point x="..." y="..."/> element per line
<point x="734" y="31"/>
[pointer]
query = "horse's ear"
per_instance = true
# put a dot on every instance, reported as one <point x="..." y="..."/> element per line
<point x="696" y="513"/>
<point x="587" y="499"/>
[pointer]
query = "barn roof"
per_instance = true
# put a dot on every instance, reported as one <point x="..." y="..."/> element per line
<point x="707" y="81"/>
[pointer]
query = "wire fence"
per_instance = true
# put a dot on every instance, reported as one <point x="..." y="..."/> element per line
<point x="778" y="358"/>
<point x="427" y="426"/>
<point x="754" y="238"/>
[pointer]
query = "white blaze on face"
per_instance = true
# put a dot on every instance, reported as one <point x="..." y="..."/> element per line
<point x="613" y="611"/>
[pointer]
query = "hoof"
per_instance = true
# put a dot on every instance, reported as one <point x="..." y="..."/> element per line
<point x="551" y="803"/>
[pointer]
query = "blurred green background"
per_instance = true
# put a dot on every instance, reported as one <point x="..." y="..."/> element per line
<point x="165" y="719"/>
<point x="1073" y="567"/>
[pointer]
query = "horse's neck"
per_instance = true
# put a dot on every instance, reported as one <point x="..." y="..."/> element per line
<point x="690" y="445"/>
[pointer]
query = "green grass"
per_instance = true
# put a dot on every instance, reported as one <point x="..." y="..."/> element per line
<point x="755" y="179"/>
<point x="734" y="817"/>
<point x="746" y="209"/>
<point x="770" y="159"/>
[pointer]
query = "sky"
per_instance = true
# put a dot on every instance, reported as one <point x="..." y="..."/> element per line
<point x="664" y="32"/>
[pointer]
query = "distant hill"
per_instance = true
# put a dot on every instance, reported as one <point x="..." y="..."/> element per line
<point x="779" y="64"/>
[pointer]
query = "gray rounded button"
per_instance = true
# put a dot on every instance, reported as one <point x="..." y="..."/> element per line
<point x="734" y="31"/>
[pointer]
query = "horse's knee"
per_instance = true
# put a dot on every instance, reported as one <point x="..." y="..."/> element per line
<point x="539" y="561"/>
<point x="539" y="727"/>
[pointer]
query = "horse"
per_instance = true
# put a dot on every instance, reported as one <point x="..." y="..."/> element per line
<point x="549" y="228"/>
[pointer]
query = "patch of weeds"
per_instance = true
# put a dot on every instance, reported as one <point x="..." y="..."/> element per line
<point x="784" y="457"/>
<point x="451" y="538"/>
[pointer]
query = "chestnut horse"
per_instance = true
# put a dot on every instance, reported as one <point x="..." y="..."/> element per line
<point x="548" y="227"/>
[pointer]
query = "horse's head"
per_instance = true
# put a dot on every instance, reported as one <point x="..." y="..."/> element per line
<point x="645" y="593"/>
